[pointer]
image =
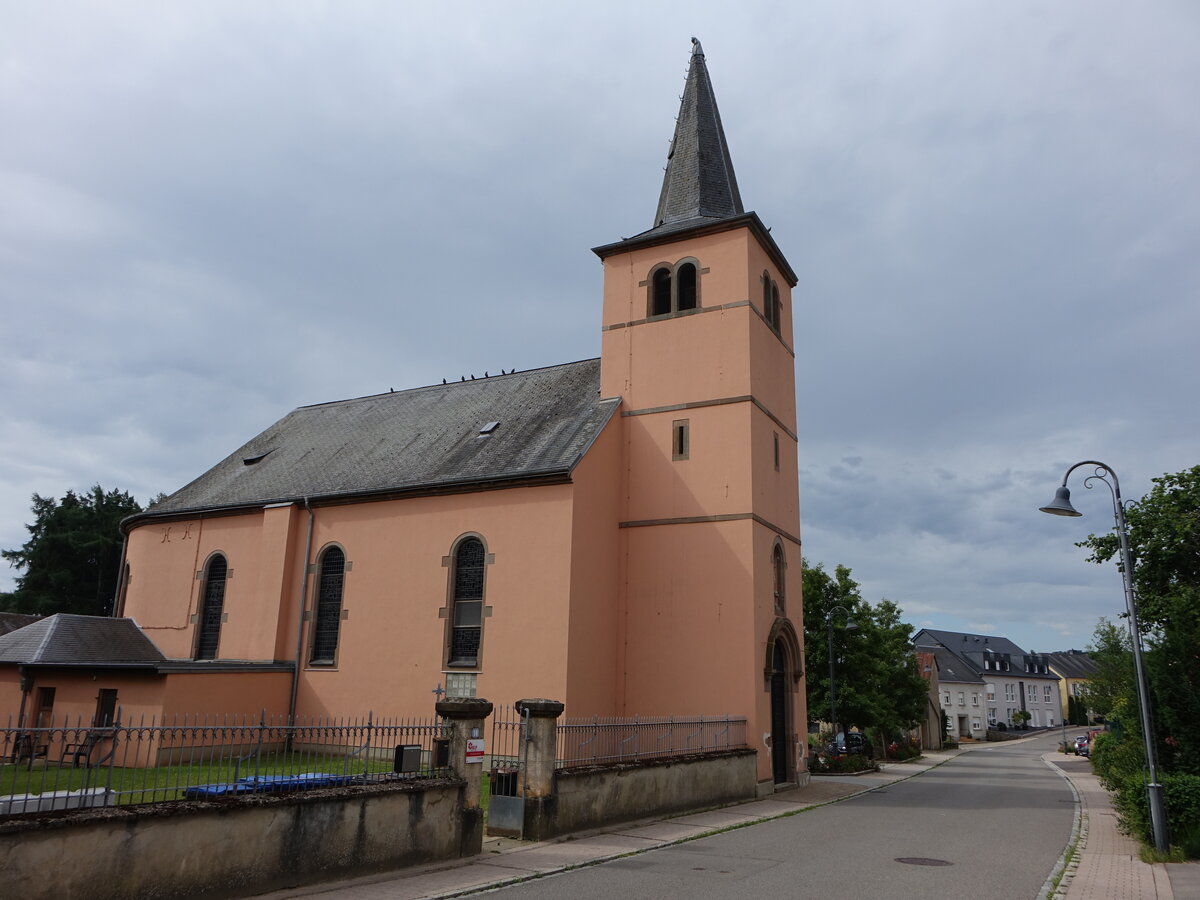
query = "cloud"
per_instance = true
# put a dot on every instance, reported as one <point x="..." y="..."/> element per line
<point x="217" y="213"/>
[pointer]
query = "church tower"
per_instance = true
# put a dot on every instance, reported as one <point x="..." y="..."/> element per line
<point x="697" y="341"/>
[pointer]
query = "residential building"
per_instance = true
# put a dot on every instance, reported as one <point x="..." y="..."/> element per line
<point x="621" y="534"/>
<point x="960" y="695"/>
<point x="1014" y="680"/>
<point x="1074" y="669"/>
<point x="930" y="732"/>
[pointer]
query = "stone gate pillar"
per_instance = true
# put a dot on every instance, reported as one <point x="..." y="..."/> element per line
<point x="537" y="777"/>
<point x="466" y="716"/>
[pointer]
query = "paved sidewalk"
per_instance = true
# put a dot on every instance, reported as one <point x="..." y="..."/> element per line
<point x="506" y="861"/>
<point x="1107" y="866"/>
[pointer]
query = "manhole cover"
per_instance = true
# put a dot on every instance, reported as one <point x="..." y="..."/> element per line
<point x="922" y="861"/>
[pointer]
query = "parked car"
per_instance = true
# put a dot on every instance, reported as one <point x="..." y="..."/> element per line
<point x="1082" y="746"/>
<point x="855" y="742"/>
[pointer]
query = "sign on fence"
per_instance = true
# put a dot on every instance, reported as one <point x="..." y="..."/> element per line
<point x="475" y="748"/>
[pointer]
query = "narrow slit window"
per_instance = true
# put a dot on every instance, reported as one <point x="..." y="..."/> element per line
<point x="680" y="439"/>
<point x="775" y="435"/>
<point x="766" y="303"/>
<point x="777" y="569"/>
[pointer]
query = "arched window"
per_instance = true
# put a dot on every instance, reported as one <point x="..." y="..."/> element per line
<point x="674" y="288"/>
<point x="685" y="286"/>
<point x="466" y="629"/>
<point x="777" y="568"/>
<point x="772" y="307"/>
<point x="329" y="607"/>
<point x="212" y="607"/>
<point x="660" y="292"/>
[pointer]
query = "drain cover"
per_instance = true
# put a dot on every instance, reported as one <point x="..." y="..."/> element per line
<point x="922" y="861"/>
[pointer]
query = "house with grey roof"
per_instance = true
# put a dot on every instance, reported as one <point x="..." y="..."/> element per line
<point x="1075" y="668"/>
<point x="960" y="695"/>
<point x="621" y="534"/>
<point x="1014" y="680"/>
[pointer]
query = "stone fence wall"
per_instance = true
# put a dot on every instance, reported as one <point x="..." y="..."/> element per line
<point x="232" y="847"/>
<point x="249" y="845"/>
<point x="561" y="801"/>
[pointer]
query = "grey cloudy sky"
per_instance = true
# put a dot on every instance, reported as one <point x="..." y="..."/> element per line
<point x="211" y="213"/>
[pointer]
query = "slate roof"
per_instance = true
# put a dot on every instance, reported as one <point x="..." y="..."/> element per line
<point x="951" y="667"/>
<point x="964" y="642"/>
<point x="699" y="182"/>
<point x="423" y="438"/>
<point x="1073" y="664"/>
<point x="971" y="649"/>
<point x="10" y="621"/>
<point x="68" y="639"/>
<point x="699" y="190"/>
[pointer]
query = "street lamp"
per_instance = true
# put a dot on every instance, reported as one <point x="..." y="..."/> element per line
<point x="850" y="626"/>
<point x="1061" y="506"/>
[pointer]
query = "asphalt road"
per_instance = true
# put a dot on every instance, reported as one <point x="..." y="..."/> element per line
<point x="995" y="820"/>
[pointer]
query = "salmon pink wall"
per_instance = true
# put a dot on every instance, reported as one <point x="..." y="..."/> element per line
<point x="775" y="492"/>
<point x="164" y="591"/>
<point x="391" y="644"/>
<point x="236" y="694"/>
<point x="706" y="356"/>
<point x="10" y="695"/>
<point x="715" y="479"/>
<point x="595" y="578"/>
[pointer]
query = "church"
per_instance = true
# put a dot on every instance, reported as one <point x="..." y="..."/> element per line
<point x="621" y="534"/>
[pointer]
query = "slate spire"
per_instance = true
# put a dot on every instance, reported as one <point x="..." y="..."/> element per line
<point x="699" y="182"/>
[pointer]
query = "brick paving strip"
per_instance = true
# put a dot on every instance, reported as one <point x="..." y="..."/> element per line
<point x="1107" y="865"/>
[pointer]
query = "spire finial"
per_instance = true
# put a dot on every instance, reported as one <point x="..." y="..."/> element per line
<point x="699" y="182"/>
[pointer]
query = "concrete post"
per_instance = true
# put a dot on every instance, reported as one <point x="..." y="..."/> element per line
<point x="537" y="776"/>
<point x="466" y="716"/>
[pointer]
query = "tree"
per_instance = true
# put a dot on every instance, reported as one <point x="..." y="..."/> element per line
<point x="877" y="681"/>
<point x="71" y="559"/>
<point x="1112" y="682"/>
<point x="1164" y="541"/>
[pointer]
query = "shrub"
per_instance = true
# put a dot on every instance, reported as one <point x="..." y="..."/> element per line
<point x="847" y="764"/>
<point x="1181" y="797"/>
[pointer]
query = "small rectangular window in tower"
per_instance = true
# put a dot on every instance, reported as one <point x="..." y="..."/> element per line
<point x="776" y="436"/>
<point x="680" y="439"/>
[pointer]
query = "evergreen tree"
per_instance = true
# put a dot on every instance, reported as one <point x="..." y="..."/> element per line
<point x="70" y="562"/>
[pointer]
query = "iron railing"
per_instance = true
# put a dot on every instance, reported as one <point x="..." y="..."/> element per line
<point x="599" y="739"/>
<point x="63" y="765"/>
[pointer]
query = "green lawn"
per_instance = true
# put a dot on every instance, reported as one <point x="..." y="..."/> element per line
<point x="168" y="782"/>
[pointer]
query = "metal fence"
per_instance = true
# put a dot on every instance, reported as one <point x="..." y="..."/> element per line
<point x="599" y="739"/>
<point x="67" y="765"/>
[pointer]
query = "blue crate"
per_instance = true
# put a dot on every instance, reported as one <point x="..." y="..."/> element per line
<point x="211" y="791"/>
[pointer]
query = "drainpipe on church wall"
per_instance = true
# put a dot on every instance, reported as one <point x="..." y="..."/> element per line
<point x="300" y="616"/>
<point x="118" y="609"/>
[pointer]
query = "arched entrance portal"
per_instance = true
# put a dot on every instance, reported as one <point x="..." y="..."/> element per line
<point x="780" y="733"/>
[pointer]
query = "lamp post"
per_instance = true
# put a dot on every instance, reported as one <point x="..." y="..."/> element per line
<point x="1061" y="506"/>
<point x="850" y="626"/>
